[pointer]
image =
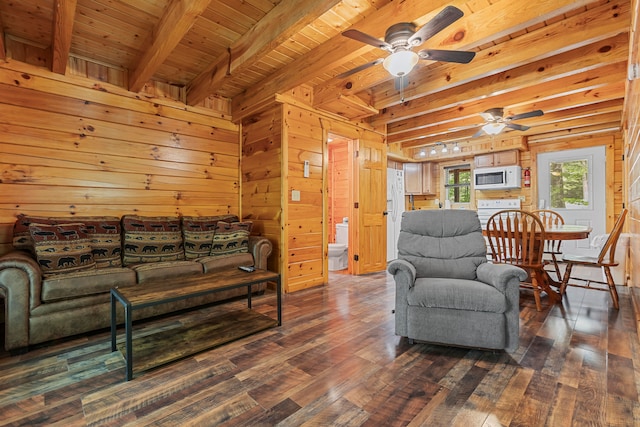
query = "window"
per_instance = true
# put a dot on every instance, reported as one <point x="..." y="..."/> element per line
<point x="458" y="183"/>
<point x="569" y="184"/>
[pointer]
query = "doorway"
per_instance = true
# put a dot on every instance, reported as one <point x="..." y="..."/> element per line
<point x="340" y="174"/>
<point x="573" y="183"/>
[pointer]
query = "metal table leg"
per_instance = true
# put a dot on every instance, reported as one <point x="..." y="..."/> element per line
<point x="129" y="342"/>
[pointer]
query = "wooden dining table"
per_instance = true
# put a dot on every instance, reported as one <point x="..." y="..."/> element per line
<point x="559" y="232"/>
<point x="564" y="232"/>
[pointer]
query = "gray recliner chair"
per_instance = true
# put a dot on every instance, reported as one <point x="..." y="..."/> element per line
<point x="446" y="291"/>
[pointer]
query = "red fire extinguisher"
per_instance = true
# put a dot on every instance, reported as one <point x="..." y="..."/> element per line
<point x="527" y="177"/>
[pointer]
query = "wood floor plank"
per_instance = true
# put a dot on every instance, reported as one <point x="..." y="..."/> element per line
<point x="336" y="361"/>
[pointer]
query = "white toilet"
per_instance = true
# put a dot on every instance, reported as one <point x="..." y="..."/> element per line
<point x="338" y="251"/>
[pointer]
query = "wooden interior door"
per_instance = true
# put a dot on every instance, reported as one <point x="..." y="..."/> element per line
<point x="371" y="193"/>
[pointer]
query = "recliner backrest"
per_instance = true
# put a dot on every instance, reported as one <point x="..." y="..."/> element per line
<point x="442" y="243"/>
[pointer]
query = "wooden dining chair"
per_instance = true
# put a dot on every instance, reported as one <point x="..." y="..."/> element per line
<point x="517" y="237"/>
<point x="605" y="260"/>
<point x="551" y="219"/>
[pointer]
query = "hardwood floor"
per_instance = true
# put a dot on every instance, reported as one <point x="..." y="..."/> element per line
<point x="336" y="361"/>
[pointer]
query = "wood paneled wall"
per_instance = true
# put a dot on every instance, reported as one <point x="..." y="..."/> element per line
<point x="306" y="238"/>
<point x="70" y="145"/>
<point x="632" y="152"/>
<point x="262" y="193"/>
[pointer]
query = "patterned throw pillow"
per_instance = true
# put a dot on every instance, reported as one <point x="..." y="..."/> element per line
<point x="231" y="238"/>
<point x="105" y="236"/>
<point x="62" y="248"/>
<point x="198" y="233"/>
<point x="22" y="240"/>
<point x="151" y="239"/>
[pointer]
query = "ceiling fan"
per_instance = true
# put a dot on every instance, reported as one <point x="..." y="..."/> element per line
<point x="495" y="122"/>
<point x="401" y="38"/>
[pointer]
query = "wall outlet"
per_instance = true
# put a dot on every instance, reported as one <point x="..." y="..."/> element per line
<point x="522" y="198"/>
<point x="295" y="195"/>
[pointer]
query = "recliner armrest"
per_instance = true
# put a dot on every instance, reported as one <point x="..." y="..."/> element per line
<point x="399" y="267"/>
<point x="499" y="275"/>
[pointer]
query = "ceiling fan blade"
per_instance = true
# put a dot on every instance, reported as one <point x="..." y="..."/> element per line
<point x="517" y="127"/>
<point x="479" y="133"/>
<point x="360" y="68"/>
<point x="442" y="20"/>
<point x="492" y="114"/>
<point x="534" y="113"/>
<point x="459" y="56"/>
<point x="366" y="38"/>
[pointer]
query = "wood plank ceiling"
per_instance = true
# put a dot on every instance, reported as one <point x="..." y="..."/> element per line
<point x="565" y="57"/>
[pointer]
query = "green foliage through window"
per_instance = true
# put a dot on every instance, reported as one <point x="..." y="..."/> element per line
<point x="458" y="183"/>
<point x="569" y="184"/>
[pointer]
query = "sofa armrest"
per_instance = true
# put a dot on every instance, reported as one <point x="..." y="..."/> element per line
<point x="260" y="247"/>
<point x="20" y="286"/>
<point x="499" y="275"/>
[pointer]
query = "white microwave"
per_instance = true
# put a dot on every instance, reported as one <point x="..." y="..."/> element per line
<point x="498" y="178"/>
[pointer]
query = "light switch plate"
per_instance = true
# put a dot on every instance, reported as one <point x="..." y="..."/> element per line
<point x="306" y="169"/>
<point x="295" y="195"/>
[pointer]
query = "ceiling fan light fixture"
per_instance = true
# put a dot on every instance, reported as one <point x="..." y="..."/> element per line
<point x="493" y="128"/>
<point x="401" y="62"/>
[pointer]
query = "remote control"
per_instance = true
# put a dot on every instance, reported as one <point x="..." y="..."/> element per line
<point x="247" y="268"/>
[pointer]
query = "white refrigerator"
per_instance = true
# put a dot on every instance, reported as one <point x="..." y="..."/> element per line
<point x="395" y="208"/>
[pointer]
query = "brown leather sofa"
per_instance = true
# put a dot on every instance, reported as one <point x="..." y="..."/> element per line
<point x="42" y="306"/>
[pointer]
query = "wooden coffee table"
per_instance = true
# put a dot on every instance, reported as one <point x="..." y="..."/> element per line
<point x="161" y="348"/>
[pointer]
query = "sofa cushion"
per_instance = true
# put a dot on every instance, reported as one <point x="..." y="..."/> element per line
<point x="61" y="248"/>
<point x="459" y="294"/>
<point x="22" y="236"/>
<point x="151" y="239"/>
<point x="213" y="263"/>
<point x="198" y="233"/>
<point x="84" y="283"/>
<point x="161" y="270"/>
<point x="231" y="238"/>
<point x="104" y="233"/>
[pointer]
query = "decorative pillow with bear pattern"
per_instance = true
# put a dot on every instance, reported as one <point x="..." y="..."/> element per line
<point x="151" y="239"/>
<point x="62" y="248"/>
<point x="198" y="233"/>
<point x="231" y="238"/>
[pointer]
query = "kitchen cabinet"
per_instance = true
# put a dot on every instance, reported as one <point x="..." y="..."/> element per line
<point x="420" y="178"/>
<point x="500" y="158"/>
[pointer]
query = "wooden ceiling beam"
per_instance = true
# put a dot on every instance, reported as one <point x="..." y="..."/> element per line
<point x="594" y="121"/>
<point x="172" y="27"/>
<point x="579" y="30"/>
<point x="473" y="30"/>
<point x="595" y="55"/>
<point x="64" y="12"/>
<point x="595" y="129"/>
<point x="334" y="52"/>
<point x="559" y="117"/>
<point x="585" y="82"/>
<point x="280" y="24"/>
